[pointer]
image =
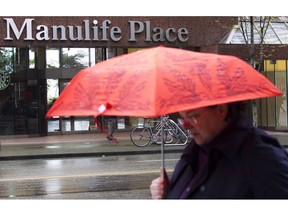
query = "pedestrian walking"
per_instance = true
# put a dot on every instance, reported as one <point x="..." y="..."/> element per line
<point x="112" y="120"/>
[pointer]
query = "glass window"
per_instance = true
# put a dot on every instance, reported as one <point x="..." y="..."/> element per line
<point x="274" y="109"/>
<point x="7" y="100"/>
<point x="53" y="125"/>
<point x="275" y="33"/>
<point x="99" y="56"/>
<point x="65" y="124"/>
<point x="52" y="58"/>
<point x="60" y="60"/>
<point x="52" y="91"/>
<point x="81" y="124"/>
<point x="6" y="60"/>
<point x="75" y="57"/>
<point x="281" y="102"/>
<point x="31" y="58"/>
<point x="283" y="35"/>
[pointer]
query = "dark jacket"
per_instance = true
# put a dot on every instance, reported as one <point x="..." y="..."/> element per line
<point x="243" y="162"/>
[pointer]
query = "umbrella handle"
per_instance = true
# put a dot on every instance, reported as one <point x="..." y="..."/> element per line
<point x="162" y="144"/>
<point x="163" y="173"/>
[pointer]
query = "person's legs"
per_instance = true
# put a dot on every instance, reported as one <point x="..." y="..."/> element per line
<point x="111" y="128"/>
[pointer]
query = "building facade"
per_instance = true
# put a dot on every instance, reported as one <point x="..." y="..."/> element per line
<point x="40" y="55"/>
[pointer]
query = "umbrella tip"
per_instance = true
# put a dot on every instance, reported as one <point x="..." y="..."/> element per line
<point x="103" y="107"/>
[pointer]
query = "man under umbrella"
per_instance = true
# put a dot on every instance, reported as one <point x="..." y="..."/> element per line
<point x="227" y="158"/>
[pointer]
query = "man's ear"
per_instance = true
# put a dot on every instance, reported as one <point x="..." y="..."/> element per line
<point x="223" y="110"/>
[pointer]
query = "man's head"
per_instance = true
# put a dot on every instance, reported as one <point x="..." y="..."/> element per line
<point x="207" y="122"/>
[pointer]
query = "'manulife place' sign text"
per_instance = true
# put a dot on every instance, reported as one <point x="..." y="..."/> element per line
<point x="92" y="31"/>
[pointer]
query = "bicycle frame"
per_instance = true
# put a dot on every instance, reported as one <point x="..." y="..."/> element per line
<point x="165" y="131"/>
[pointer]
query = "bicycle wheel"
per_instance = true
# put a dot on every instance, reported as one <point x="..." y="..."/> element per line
<point x="185" y="137"/>
<point x="140" y="136"/>
<point x="172" y="132"/>
<point x="157" y="137"/>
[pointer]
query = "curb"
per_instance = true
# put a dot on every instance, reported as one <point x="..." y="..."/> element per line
<point x="90" y="154"/>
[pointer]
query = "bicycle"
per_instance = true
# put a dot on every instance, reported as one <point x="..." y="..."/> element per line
<point x="151" y="132"/>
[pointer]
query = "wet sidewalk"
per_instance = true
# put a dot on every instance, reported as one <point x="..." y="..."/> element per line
<point x="83" y="145"/>
<point x="75" y="145"/>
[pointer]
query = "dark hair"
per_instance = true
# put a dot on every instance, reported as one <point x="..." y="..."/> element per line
<point x="235" y="109"/>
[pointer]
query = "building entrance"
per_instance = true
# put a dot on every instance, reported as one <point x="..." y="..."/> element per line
<point x="62" y="65"/>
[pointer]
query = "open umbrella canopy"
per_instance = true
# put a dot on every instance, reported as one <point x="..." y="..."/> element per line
<point x="158" y="81"/>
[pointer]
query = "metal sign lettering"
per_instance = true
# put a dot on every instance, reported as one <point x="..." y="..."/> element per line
<point x="92" y="31"/>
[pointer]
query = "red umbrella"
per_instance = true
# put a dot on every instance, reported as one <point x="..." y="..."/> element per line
<point x="158" y="81"/>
